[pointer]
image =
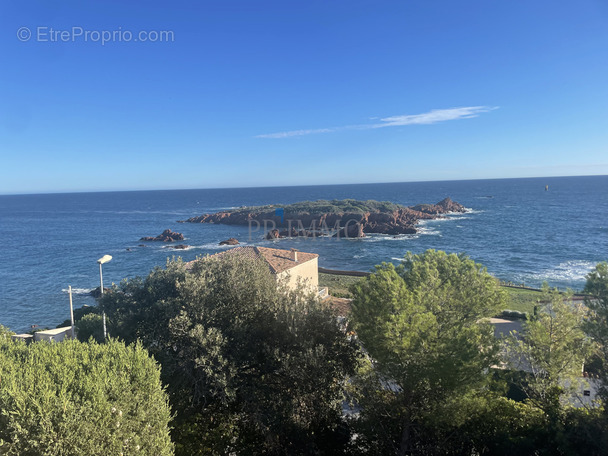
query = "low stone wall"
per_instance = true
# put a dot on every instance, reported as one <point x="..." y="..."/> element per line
<point x="345" y="273"/>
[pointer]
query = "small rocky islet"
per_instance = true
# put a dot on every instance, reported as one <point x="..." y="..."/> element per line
<point x="340" y="218"/>
<point x="165" y="236"/>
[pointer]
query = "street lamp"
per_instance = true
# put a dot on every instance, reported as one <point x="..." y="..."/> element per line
<point x="102" y="260"/>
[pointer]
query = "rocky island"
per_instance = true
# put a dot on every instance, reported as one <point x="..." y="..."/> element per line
<point x="344" y="218"/>
<point x="165" y="236"/>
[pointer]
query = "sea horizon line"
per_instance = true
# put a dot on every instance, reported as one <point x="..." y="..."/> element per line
<point x="75" y="192"/>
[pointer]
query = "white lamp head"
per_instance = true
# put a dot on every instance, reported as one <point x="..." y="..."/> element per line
<point x="104" y="259"/>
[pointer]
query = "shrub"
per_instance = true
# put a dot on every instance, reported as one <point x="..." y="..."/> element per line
<point x="74" y="398"/>
<point x="513" y="315"/>
<point x="91" y="325"/>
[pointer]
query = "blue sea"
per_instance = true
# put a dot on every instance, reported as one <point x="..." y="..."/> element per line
<point x="519" y="231"/>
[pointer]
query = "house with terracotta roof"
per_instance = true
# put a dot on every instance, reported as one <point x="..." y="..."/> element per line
<point x="290" y="265"/>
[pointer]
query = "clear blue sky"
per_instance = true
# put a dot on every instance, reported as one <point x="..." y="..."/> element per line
<point x="265" y="93"/>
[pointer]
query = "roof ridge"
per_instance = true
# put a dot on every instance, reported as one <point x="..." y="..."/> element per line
<point x="266" y="260"/>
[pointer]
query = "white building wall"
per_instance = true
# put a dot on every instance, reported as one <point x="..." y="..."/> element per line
<point x="306" y="273"/>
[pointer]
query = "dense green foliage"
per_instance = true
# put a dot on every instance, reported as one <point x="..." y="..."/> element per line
<point x="71" y="398"/>
<point x="429" y="387"/>
<point x="5" y="333"/>
<point x="251" y="368"/>
<point x="79" y="313"/>
<point x="549" y="354"/>
<point x="344" y="206"/>
<point x="597" y="324"/>
<point x="518" y="299"/>
<point x="90" y="325"/>
<point x="552" y="349"/>
<point x="422" y="324"/>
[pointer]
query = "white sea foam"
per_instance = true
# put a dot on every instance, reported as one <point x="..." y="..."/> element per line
<point x="138" y="212"/>
<point x="444" y="219"/>
<point x="424" y="228"/>
<point x="462" y="217"/>
<point x="218" y="209"/>
<point x="216" y="246"/>
<point x="568" y="271"/>
<point x="190" y="247"/>
<point x="207" y="246"/>
<point x="78" y="291"/>
<point x="429" y="231"/>
<point x="388" y="237"/>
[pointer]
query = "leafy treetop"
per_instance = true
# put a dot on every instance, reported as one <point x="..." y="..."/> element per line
<point x="423" y="325"/>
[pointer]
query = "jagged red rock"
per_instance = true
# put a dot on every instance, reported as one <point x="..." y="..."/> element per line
<point x="231" y="241"/>
<point x="165" y="236"/>
<point x="399" y="221"/>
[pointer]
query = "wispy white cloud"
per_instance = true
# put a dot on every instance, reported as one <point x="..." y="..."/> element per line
<point x="431" y="117"/>
<point x="288" y="134"/>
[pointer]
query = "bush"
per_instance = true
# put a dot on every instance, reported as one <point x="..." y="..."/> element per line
<point x="91" y="325"/>
<point x="251" y="368"/>
<point x="5" y="333"/>
<point x="74" y="398"/>
<point x="513" y="315"/>
<point x="79" y="314"/>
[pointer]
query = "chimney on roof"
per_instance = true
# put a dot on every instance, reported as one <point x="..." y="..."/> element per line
<point x="295" y="255"/>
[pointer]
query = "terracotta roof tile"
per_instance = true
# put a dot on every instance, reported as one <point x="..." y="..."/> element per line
<point x="282" y="260"/>
<point x="278" y="260"/>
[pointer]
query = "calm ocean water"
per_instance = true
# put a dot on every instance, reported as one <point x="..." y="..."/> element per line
<point x="519" y="231"/>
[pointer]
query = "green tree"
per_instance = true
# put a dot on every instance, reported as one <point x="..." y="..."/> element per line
<point x="597" y="324"/>
<point x="552" y="349"/>
<point x="251" y="367"/>
<point x="74" y="398"/>
<point x="423" y="325"/>
<point x="90" y="325"/>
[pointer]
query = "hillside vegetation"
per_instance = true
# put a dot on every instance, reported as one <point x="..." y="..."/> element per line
<point x="326" y="206"/>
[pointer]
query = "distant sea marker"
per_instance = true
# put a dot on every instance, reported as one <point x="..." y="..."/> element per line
<point x="279" y="212"/>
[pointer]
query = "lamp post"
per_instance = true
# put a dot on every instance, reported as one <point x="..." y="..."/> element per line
<point x="102" y="260"/>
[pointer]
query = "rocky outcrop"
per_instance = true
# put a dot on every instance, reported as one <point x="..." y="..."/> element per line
<point x="273" y="234"/>
<point x="165" y="236"/>
<point x="276" y="234"/>
<point x="180" y="247"/>
<point x="395" y="220"/>
<point x="96" y="292"/>
<point x="444" y="206"/>
<point x="351" y="230"/>
<point x="231" y="241"/>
